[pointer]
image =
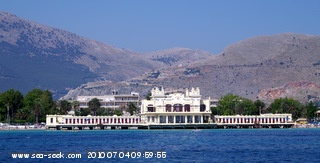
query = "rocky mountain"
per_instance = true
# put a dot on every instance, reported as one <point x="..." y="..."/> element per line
<point x="39" y="56"/>
<point x="178" y="56"/>
<point x="302" y="91"/>
<point x="244" y="68"/>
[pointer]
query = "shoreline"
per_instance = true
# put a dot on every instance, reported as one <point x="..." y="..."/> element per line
<point x="44" y="129"/>
<point x="22" y="127"/>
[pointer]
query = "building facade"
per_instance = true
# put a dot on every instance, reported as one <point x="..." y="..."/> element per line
<point x="166" y="110"/>
<point x="103" y="122"/>
<point x="262" y="120"/>
<point x="176" y="108"/>
<point x="113" y="101"/>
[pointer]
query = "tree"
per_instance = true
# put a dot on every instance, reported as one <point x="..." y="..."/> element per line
<point x="117" y="112"/>
<point x="249" y="107"/>
<point x="311" y="110"/>
<point x="148" y="96"/>
<point x="216" y="111"/>
<point x="132" y="108"/>
<point x="85" y="111"/>
<point x="38" y="103"/>
<point x="48" y="104"/>
<point x="226" y="104"/>
<point x="76" y="107"/>
<point x="10" y="99"/>
<point x="286" y="105"/>
<point x="37" y="109"/>
<point x="22" y="115"/>
<point x="260" y="105"/>
<point x="101" y="111"/>
<point x="109" y="112"/>
<point x="29" y="104"/>
<point x="64" y="106"/>
<point x="231" y="104"/>
<point x="94" y="105"/>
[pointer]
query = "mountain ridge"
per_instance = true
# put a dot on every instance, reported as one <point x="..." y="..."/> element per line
<point x="59" y="60"/>
<point x="39" y="56"/>
<point x="244" y="68"/>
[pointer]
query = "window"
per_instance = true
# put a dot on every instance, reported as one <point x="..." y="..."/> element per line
<point x="196" y="119"/>
<point x="189" y="119"/>
<point x="187" y="108"/>
<point x="170" y="119"/>
<point x="150" y="109"/>
<point x="182" y="119"/>
<point x="178" y="119"/>
<point x="83" y="104"/>
<point x="51" y="120"/>
<point x="177" y="107"/>
<point x="202" y="107"/>
<point x="168" y="108"/>
<point x="205" y="119"/>
<point x="162" y="119"/>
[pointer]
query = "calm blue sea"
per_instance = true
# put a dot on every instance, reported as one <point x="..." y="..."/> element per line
<point x="217" y="145"/>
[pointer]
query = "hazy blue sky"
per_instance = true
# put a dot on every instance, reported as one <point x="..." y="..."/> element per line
<point x="149" y="25"/>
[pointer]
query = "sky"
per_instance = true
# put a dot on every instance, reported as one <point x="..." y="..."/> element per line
<point x="151" y="25"/>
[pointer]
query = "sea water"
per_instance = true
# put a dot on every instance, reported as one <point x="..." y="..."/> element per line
<point x="215" y="145"/>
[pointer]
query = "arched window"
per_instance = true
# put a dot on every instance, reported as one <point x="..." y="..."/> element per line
<point x="177" y="107"/>
<point x="187" y="108"/>
<point x="168" y="108"/>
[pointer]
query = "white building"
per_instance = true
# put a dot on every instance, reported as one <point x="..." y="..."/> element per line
<point x="70" y="121"/>
<point x="110" y="101"/>
<point x="176" y="108"/>
<point x="262" y="120"/>
<point x="166" y="110"/>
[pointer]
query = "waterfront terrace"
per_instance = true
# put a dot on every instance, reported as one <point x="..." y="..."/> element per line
<point x="255" y="121"/>
<point x="175" y="110"/>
